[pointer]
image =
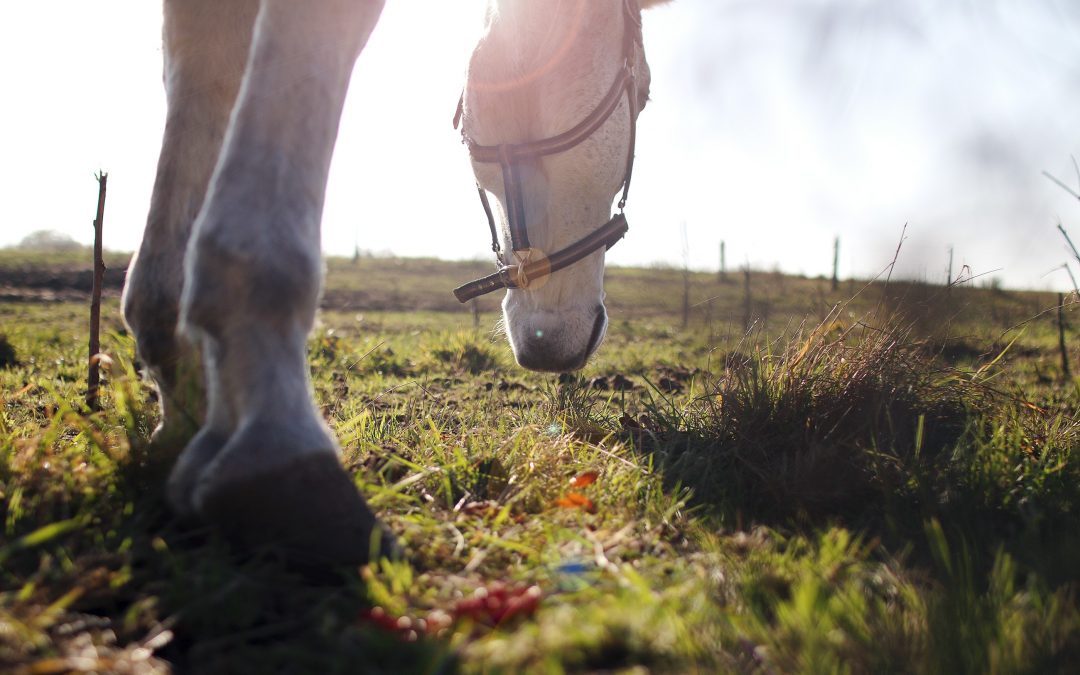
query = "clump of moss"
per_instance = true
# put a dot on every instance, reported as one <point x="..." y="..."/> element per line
<point x="7" y="353"/>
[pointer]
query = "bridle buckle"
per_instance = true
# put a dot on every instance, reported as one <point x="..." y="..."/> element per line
<point x="523" y="258"/>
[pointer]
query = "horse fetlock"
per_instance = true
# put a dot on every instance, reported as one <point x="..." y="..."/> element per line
<point x="178" y="374"/>
<point x="180" y="421"/>
<point x="263" y="444"/>
<point x="189" y="468"/>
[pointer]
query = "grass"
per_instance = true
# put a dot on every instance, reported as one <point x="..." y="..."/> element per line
<point x="840" y="490"/>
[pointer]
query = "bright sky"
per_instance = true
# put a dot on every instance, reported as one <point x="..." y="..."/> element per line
<point x="775" y="125"/>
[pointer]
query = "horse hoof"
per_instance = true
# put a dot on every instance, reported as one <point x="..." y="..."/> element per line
<point x="307" y="509"/>
<point x="185" y="474"/>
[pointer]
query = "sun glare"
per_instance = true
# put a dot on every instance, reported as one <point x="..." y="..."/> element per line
<point x="398" y="155"/>
<point x="941" y="115"/>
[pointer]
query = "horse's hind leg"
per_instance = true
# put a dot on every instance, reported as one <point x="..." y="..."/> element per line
<point x="252" y="282"/>
<point x="206" y="45"/>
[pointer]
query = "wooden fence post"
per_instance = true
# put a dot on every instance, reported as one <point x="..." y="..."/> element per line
<point x="836" y="265"/>
<point x="1066" y="374"/>
<point x="685" y="278"/>
<point x="748" y="302"/>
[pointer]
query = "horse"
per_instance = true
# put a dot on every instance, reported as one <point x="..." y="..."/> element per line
<point x="223" y="290"/>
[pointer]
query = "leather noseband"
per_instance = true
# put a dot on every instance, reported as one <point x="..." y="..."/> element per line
<point x="509" y="157"/>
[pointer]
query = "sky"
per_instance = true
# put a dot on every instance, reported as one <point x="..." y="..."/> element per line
<point x="775" y="126"/>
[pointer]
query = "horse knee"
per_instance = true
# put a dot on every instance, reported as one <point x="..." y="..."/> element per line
<point x="273" y="280"/>
<point x="150" y="310"/>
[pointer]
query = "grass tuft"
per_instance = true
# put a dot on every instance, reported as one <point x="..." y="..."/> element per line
<point x="464" y="354"/>
<point x="831" y="421"/>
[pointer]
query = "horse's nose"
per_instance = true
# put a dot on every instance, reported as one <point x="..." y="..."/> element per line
<point x="551" y="344"/>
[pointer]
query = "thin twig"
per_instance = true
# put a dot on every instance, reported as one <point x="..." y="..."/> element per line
<point x="1030" y="320"/>
<point x="963" y="280"/>
<point x="364" y="356"/>
<point x="93" y="376"/>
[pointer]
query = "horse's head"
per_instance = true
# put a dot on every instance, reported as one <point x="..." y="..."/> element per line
<point x="553" y="92"/>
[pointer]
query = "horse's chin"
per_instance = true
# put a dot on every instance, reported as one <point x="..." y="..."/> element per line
<point x="555" y="341"/>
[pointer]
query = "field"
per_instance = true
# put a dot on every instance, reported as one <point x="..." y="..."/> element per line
<point x="879" y="478"/>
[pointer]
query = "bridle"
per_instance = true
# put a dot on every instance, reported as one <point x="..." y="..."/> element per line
<point x="509" y="156"/>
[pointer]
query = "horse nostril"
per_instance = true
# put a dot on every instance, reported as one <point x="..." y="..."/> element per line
<point x="599" y="324"/>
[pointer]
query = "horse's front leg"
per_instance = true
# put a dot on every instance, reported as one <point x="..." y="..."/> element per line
<point x="251" y="288"/>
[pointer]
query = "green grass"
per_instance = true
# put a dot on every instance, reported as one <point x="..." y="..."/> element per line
<point x="841" y="490"/>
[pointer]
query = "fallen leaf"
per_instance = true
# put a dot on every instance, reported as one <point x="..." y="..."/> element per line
<point x="576" y="500"/>
<point x="584" y="479"/>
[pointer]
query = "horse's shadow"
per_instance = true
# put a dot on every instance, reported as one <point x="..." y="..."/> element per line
<point x="880" y="444"/>
<point x="229" y="609"/>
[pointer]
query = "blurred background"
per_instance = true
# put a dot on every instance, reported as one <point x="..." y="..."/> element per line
<point x="776" y="126"/>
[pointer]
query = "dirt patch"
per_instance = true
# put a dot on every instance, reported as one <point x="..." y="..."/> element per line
<point x="616" y="382"/>
<point x="59" y="279"/>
